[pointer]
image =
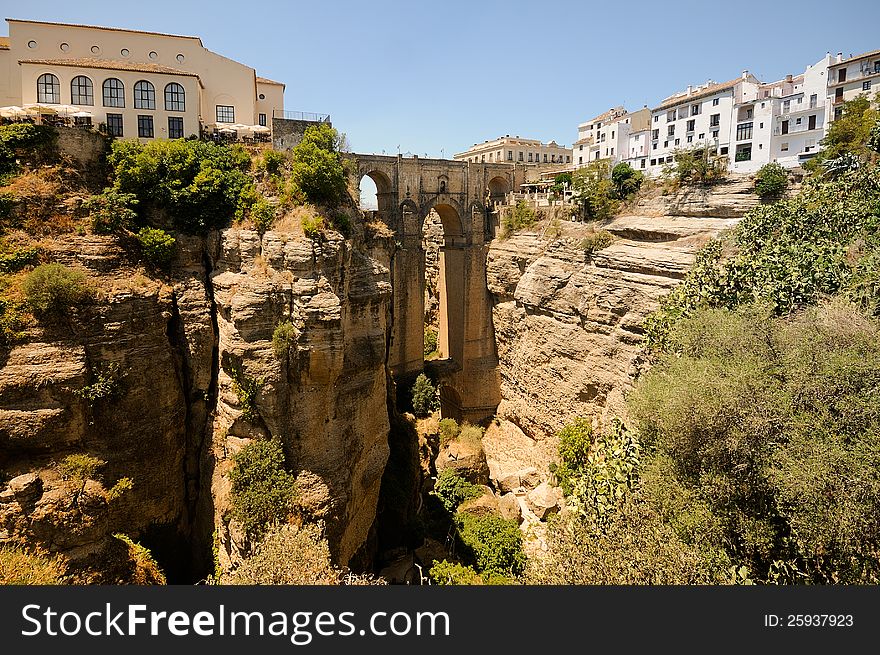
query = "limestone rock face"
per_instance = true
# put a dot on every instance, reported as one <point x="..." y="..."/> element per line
<point x="175" y="418"/>
<point x="466" y="458"/>
<point x="324" y="398"/>
<point x="544" y="500"/>
<point x="568" y="326"/>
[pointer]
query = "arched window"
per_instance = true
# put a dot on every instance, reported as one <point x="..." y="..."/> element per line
<point x="48" y="89"/>
<point x="114" y="93"/>
<point x="81" y="91"/>
<point x="175" y="97"/>
<point x="144" y="95"/>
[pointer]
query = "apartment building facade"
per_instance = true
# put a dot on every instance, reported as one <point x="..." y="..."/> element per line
<point x="851" y="77"/>
<point x="516" y="150"/>
<point x="138" y="84"/>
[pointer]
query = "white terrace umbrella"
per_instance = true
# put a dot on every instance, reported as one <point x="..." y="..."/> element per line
<point x="39" y="108"/>
<point x="66" y="110"/>
<point x="228" y="129"/>
<point x="12" y="112"/>
<point x="260" y="129"/>
<point x="82" y="114"/>
<point x="240" y="127"/>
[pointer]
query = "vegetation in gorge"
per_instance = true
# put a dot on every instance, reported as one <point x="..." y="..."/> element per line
<point x="262" y="489"/>
<point x="453" y="490"/>
<point x="144" y="569"/>
<point x="51" y="289"/>
<point x="516" y="218"/>
<point x="424" y="396"/>
<point x="283" y="339"/>
<point x="594" y="191"/>
<point x="19" y="566"/>
<point x="695" y="166"/>
<point x="771" y="181"/>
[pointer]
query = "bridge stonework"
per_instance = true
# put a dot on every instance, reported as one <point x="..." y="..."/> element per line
<point x="464" y="195"/>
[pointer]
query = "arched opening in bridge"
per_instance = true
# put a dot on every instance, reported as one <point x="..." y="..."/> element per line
<point x="432" y="242"/>
<point x="498" y="189"/>
<point x="376" y="195"/>
<point x="450" y="403"/>
<point x="450" y="285"/>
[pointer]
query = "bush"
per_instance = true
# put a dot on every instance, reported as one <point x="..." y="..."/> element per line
<point x="35" y="143"/>
<point x="453" y="490"/>
<point x="284" y="338"/>
<point x="262" y="490"/>
<point x="54" y="288"/>
<point x="517" y="218"/>
<point x="119" y="489"/>
<point x="449" y="573"/>
<point x="424" y="396"/>
<point x="262" y="215"/>
<point x="449" y="430"/>
<point x="80" y="468"/>
<point x="274" y="161"/>
<point x="312" y="226"/>
<point x="290" y="555"/>
<point x="626" y="180"/>
<point x="246" y="389"/>
<point x="198" y="184"/>
<point x="111" y="212"/>
<point x="107" y="383"/>
<point x="157" y="246"/>
<point x="596" y="240"/>
<point x="430" y="342"/>
<point x="317" y="168"/>
<point x="12" y="262"/>
<point x="768" y="430"/>
<point x="22" y="567"/>
<point x="849" y="135"/>
<point x="594" y="191"/>
<point x="696" y="166"/>
<point x="495" y="544"/>
<point x="770" y="181"/>
<point x="575" y="442"/>
<point x="144" y="569"/>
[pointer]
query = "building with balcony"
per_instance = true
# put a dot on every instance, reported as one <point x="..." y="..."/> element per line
<point x="702" y="116"/>
<point x="848" y="78"/>
<point x="139" y="84"/>
<point x="517" y="150"/>
<point x="597" y="137"/>
<point x="788" y="120"/>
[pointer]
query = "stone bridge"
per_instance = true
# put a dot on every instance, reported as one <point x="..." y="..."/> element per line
<point x="464" y="195"/>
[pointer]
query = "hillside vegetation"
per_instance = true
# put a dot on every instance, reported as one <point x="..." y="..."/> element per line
<point x="753" y="451"/>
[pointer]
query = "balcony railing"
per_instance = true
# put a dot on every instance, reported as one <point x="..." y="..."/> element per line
<point x="852" y="77"/>
<point x="301" y="116"/>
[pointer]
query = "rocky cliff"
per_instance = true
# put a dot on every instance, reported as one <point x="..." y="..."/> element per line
<point x="568" y="323"/>
<point x="168" y="349"/>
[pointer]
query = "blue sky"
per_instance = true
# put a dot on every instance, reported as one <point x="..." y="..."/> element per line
<point x="435" y="77"/>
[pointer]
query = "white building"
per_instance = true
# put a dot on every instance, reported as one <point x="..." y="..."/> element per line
<point x="788" y="121"/>
<point x="701" y="116"/>
<point x="851" y="77"/>
<point x="597" y="137"/>
<point x="516" y="150"/>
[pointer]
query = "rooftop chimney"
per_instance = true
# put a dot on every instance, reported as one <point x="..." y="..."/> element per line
<point x="745" y="73"/>
<point x="690" y="89"/>
<point x="788" y="78"/>
<point x="839" y="57"/>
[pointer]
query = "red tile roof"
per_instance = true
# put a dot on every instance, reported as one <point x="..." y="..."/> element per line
<point x="702" y="93"/>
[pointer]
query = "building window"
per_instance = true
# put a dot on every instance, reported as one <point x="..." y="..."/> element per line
<point x="838" y="112"/>
<point x="670" y="130"/>
<point x="48" y="89"/>
<point x="568" y="159"/>
<point x="714" y="134"/>
<point x="798" y="121"/>
<point x="114" y="93"/>
<point x="786" y="106"/>
<point x="743" y="153"/>
<point x="655" y="135"/>
<point x="814" y="100"/>
<point x="653" y="162"/>
<point x="714" y="120"/>
<point x="580" y="160"/>
<point x="144" y="95"/>
<point x="520" y="155"/>
<point x="670" y="116"/>
<point x="656" y="118"/>
<point x="695" y="110"/>
<point x="145" y="127"/>
<point x="510" y="155"/>
<point x="744" y="131"/>
<point x="666" y="144"/>
<point x="81" y="91"/>
<point x="262" y="120"/>
<point x="677" y="141"/>
<point x="702" y="136"/>
<point x="612" y="152"/>
<point x="691" y="138"/>
<point x="612" y="134"/>
<point x="691" y="124"/>
<point x="783" y="147"/>
<point x="715" y="102"/>
<point x="175" y="97"/>
<point x="643" y="163"/>
<point x="225" y="114"/>
<point x="154" y="55"/>
<point x="114" y="124"/>
<point x="724" y="150"/>
<point x="545" y="157"/>
<point x="877" y="66"/>
<point x="530" y="157"/>
<point x="175" y="127"/>
<point x="866" y="85"/>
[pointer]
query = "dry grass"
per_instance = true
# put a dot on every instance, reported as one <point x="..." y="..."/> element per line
<point x="21" y="567"/>
<point x="42" y="206"/>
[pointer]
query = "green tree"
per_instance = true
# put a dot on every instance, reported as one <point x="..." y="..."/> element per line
<point x="262" y="489"/>
<point x="495" y="544"/>
<point x="317" y="167"/>
<point x="453" y="490"/>
<point x="626" y="180"/>
<point x="157" y="246"/>
<point x="771" y="180"/>
<point x="80" y="468"/>
<point x="424" y="396"/>
<point x="594" y="191"/>
<point x="112" y="212"/>
<point x="850" y="133"/>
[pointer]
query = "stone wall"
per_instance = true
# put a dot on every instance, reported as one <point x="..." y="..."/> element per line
<point x="287" y="132"/>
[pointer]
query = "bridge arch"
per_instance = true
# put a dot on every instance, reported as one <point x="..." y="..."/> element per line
<point x="384" y="193"/>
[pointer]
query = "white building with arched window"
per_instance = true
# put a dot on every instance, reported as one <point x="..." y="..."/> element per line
<point x="137" y="84"/>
